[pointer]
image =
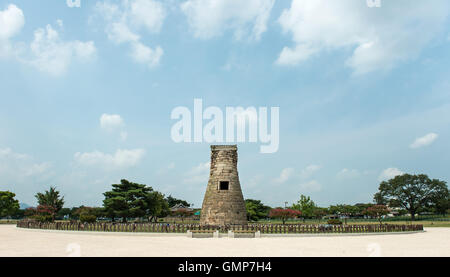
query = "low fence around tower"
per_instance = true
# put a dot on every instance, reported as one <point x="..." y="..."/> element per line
<point x="183" y="228"/>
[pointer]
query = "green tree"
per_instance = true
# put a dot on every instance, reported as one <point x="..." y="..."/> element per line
<point x="256" y="210"/>
<point x="126" y="199"/>
<point x="52" y="199"/>
<point x="88" y="214"/>
<point x="44" y="213"/>
<point x="335" y="209"/>
<point x="306" y="206"/>
<point x="361" y="207"/>
<point x="350" y="210"/>
<point x="157" y="206"/>
<point x="412" y="192"/>
<point x="172" y="201"/>
<point x="63" y="212"/>
<point x="8" y="205"/>
<point x="319" y="213"/>
<point x="344" y="210"/>
<point x="377" y="211"/>
<point x="284" y="214"/>
<point x="19" y="214"/>
<point x="442" y="204"/>
<point x="379" y="199"/>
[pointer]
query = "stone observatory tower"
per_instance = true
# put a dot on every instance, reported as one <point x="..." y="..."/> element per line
<point x="223" y="203"/>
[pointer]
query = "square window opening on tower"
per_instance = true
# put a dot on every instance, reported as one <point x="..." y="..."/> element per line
<point x="224" y="185"/>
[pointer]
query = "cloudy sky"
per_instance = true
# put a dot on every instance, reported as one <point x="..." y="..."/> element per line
<point x="87" y="89"/>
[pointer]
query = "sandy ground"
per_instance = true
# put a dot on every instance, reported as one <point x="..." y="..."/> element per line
<point x="24" y="242"/>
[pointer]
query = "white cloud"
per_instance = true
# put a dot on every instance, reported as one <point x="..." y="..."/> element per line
<point x="348" y="173"/>
<point x="378" y="44"/>
<point x="297" y="55"/>
<point x="288" y="174"/>
<point x="309" y="171"/>
<point x="147" y="14"/>
<point x="122" y="158"/>
<point x="125" y="22"/>
<point x="118" y="32"/>
<point x="37" y="169"/>
<point x="11" y="22"/>
<point x="47" y="52"/>
<point x="311" y="186"/>
<point x="60" y="23"/>
<point x="111" y="122"/>
<point x="208" y="18"/>
<point x="198" y="174"/>
<point x="73" y="3"/>
<point x="8" y="153"/>
<point x="285" y="175"/>
<point x="390" y="173"/>
<point x="146" y="55"/>
<point x="50" y="54"/>
<point x="16" y="166"/>
<point x="424" y="141"/>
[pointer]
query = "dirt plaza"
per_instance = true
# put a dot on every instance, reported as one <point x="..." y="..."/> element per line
<point x="17" y="242"/>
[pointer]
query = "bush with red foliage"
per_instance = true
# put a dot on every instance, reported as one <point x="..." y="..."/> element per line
<point x="284" y="214"/>
<point x="377" y="211"/>
<point x="42" y="213"/>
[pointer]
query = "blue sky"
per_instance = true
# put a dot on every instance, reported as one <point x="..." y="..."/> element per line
<point x="87" y="93"/>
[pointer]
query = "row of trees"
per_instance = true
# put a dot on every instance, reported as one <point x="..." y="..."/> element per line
<point x="125" y="200"/>
<point x="374" y="211"/>
<point x="409" y="193"/>
<point x="305" y="208"/>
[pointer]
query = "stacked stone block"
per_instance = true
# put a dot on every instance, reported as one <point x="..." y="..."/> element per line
<point x="223" y="206"/>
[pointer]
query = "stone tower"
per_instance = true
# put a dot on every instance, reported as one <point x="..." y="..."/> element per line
<point x="223" y="202"/>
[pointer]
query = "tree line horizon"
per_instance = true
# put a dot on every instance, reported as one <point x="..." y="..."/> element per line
<point x="409" y="194"/>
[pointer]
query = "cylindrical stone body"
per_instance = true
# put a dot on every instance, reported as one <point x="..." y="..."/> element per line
<point x="223" y="203"/>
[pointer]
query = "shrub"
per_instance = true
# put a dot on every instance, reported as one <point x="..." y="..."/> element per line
<point x="88" y="218"/>
<point x="30" y="212"/>
<point x="377" y="211"/>
<point x="45" y="210"/>
<point x="43" y="218"/>
<point x="334" y="222"/>
<point x="284" y="214"/>
<point x="42" y="213"/>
